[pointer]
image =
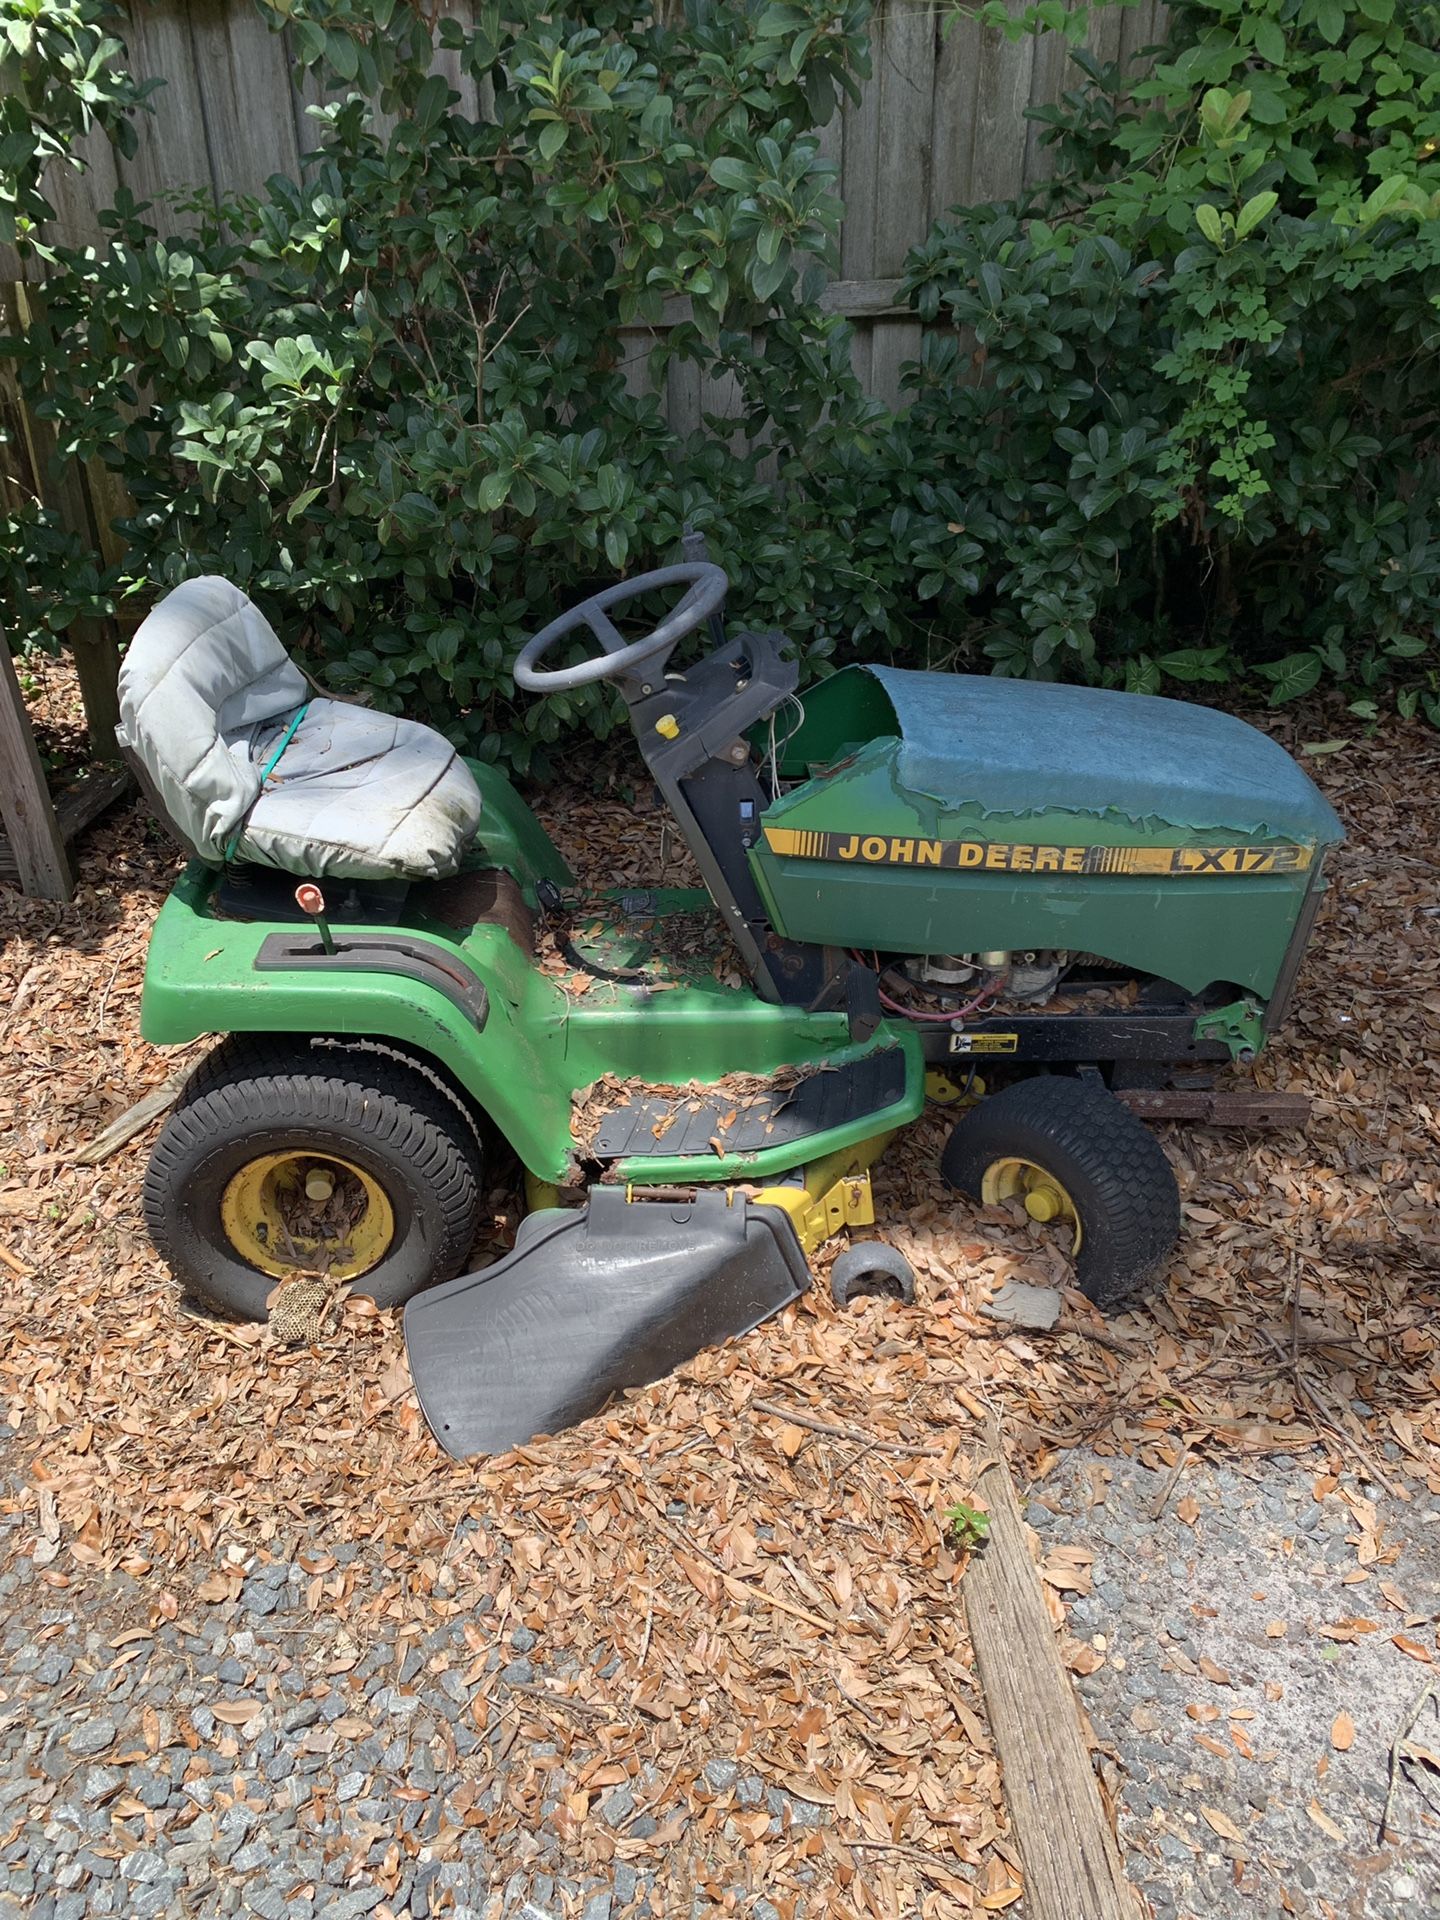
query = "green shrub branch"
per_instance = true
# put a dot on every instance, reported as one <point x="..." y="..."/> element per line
<point x="1174" y="418"/>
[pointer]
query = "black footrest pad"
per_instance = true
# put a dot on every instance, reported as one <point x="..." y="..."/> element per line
<point x="689" y="1124"/>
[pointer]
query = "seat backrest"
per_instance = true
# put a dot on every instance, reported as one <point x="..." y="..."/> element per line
<point x="203" y="672"/>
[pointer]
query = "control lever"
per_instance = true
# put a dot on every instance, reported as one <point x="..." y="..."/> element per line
<point x="311" y="900"/>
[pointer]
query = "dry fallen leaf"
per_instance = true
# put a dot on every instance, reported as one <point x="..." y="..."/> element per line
<point x="1067" y="1569"/>
<point x="1324" y="1822"/>
<point x="1188" y="1510"/>
<point x="236" y="1713"/>
<point x="1342" y="1733"/>
<point x="1221" y="1822"/>
<point x="1412" y="1648"/>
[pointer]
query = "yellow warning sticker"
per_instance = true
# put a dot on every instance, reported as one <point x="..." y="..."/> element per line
<point x="998" y="856"/>
<point x="984" y="1042"/>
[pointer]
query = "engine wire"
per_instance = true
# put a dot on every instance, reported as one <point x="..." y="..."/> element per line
<point x="982" y="999"/>
<point x="774" y="749"/>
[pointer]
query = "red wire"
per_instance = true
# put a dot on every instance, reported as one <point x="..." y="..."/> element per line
<point x="959" y="1013"/>
<point x="982" y="999"/>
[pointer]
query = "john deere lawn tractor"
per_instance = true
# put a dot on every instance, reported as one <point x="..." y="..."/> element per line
<point x="1022" y="900"/>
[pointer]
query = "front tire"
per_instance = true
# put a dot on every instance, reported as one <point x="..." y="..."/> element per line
<point x="1074" y="1154"/>
<point x="301" y="1156"/>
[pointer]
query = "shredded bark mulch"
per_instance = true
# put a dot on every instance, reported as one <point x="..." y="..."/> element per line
<point x="756" y="1545"/>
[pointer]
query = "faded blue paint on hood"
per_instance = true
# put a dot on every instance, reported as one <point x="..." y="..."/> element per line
<point x="1021" y="746"/>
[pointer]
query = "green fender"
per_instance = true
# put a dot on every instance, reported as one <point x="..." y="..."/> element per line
<point x="201" y="977"/>
<point x="538" y="1044"/>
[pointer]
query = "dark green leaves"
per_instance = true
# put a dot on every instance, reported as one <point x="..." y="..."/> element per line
<point x="1270" y="41"/>
<point x="1297" y="673"/>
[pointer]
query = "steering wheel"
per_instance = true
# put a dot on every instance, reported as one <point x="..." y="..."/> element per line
<point x="706" y="586"/>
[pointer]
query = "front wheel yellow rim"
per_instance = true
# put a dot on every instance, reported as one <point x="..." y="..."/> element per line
<point x="1044" y="1197"/>
<point x="292" y="1212"/>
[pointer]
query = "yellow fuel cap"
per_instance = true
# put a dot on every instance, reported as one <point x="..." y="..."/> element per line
<point x="668" y="727"/>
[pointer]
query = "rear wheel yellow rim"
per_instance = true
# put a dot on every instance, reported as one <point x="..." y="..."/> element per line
<point x="266" y="1206"/>
<point x="1044" y="1197"/>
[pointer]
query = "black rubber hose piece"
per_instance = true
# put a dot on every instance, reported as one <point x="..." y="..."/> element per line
<point x="1110" y="1163"/>
<point x="373" y="1107"/>
<point x="871" y="1267"/>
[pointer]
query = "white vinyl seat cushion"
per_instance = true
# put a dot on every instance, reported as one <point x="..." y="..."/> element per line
<point x="207" y="693"/>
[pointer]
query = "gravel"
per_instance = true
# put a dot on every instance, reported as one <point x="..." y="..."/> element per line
<point x="1175" y="1605"/>
<point x="128" y="1794"/>
<point x="119" y="1779"/>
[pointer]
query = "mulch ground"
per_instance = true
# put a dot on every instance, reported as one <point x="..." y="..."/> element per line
<point x="748" y="1583"/>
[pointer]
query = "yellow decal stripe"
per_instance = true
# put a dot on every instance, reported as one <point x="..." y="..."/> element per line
<point x="998" y="856"/>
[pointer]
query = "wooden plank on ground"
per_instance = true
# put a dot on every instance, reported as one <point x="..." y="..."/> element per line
<point x="125" y="1126"/>
<point x="1237" y="1107"/>
<point x="36" y="842"/>
<point x="1068" y="1855"/>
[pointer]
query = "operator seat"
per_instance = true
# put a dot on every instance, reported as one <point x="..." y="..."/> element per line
<point x="221" y="728"/>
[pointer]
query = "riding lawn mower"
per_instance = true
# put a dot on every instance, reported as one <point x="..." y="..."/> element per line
<point x="1024" y="900"/>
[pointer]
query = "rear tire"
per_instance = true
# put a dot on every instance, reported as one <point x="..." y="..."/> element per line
<point x="380" y="1124"/>
<point x="1109" y="1165"/>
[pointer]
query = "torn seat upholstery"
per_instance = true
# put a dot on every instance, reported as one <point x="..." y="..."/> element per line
<point x="247" y="766"/>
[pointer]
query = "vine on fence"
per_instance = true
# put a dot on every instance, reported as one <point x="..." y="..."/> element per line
<point x="1174" y="419"/>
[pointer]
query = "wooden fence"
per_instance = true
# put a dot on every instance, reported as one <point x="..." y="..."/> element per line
<point x="941" y="123"/>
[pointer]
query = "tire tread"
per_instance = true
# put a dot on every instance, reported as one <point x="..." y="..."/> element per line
<point x="1116" y="1155"/>
<point x="402" y="1109"/>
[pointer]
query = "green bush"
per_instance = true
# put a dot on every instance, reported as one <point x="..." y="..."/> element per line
<point x="1174" y="420"/>
<point x="1204" y="444"/>
<point x="60" y="78"/>
<point x="387" y="398"/>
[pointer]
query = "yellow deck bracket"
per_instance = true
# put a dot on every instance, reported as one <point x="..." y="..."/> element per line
<point x="947" y="1092"/>
<point x="835" y="1193"/>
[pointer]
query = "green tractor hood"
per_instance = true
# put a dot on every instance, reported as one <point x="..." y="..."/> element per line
<point x="943" y="813"/>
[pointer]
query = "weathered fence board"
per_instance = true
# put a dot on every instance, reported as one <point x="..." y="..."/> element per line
<point x="36" y="842"/>
<point x="941" y="123"/>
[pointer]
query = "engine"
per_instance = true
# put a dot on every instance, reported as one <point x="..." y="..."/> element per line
<point x="1027" y="978"/>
